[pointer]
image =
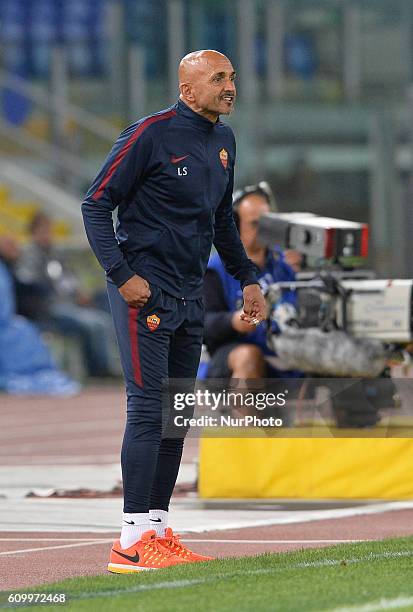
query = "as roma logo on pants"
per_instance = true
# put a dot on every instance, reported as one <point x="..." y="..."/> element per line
<point x="223" y="156"/>
<point x="152" y="321"/>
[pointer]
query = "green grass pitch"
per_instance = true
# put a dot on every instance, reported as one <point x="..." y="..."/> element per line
<point x="359" y="577"/>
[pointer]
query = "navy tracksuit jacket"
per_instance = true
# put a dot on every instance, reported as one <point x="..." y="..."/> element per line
<point x="171" y="176"/>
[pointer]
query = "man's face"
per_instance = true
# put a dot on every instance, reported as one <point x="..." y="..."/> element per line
<point x="9" y="249"/>
<point x="214" y="88"/>
<point x="43" y="233"/>
<point x="249" y="211"/>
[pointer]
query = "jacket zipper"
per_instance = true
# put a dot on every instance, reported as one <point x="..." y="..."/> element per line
<point x="208" y="173"/>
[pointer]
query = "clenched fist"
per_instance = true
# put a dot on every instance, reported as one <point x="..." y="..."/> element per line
<point x="135" y="291"/>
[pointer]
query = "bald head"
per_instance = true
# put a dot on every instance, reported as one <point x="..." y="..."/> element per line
<point x="198" y="62"/>
<point x="206" y="83"/>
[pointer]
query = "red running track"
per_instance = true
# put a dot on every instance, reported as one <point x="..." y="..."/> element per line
<point x="77" y="557"/>
<point x="86" y="429"/>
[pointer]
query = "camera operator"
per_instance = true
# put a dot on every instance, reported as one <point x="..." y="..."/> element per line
<point x="235" y="350"/>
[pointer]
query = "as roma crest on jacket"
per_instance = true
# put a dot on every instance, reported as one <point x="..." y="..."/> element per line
<point x="152" y="321"/>
<point x="223" y="156"/>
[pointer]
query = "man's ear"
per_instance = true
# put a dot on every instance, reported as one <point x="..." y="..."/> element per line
<point x="186" y="92"/>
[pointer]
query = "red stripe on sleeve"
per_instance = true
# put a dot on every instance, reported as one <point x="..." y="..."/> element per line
<point x="125" y="149"/>
<point x="134" y="344"/>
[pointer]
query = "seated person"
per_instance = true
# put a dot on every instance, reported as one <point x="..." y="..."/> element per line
<point x="49" y="293"/>
<point x="235" y="350"/>
<point x="26" y="365"/>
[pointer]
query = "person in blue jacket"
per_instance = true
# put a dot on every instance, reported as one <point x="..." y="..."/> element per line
<point x="26" y="364"/>
<point x="235" y="350"/>
<point x="170" y="175"/>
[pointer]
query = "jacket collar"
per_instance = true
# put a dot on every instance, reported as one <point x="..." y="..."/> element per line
<point x="195" y="118"/>
<point x="272" y="258"/>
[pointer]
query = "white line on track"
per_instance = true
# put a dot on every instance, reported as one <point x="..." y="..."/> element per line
<point x="27" y="550"/>
<point x="381" y="604"/>
<point x="305" y="516"/>
<point x="275" y="541"/>
<point x="67" y="515"/>
<point x="52" y="539"/>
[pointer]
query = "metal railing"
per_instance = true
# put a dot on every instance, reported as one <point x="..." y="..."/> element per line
<point x="64" y="155"/>
<point x="65" y="163"/>
<point x="53" y="199"/>
<point x="49" y="101"/>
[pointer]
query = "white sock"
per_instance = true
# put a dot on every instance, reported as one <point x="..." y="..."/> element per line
<point x="158" y="521"/>
<point x="133" y="526"/>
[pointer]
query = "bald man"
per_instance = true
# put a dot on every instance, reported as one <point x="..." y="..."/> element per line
<point x="171" y="176"/>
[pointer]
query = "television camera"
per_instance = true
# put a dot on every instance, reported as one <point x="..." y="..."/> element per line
<point x="348" y="323"/>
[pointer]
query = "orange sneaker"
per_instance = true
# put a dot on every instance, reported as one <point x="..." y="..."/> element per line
<point x="172" y="542"/>
<point x="146" y="554"/>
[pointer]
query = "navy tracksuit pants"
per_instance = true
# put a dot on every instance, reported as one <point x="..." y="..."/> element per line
<point x="159" y="341"/>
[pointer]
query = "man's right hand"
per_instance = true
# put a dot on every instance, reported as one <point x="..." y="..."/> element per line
<point x="242" y="327"/>
<point x="135" y="291"/>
